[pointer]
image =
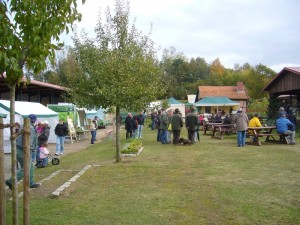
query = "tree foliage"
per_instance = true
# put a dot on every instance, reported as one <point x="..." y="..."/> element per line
<point x="118" y="68"/>
<point x="28" y="29"/>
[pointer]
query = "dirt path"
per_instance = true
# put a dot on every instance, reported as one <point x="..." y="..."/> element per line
<point x="69" y="148"/>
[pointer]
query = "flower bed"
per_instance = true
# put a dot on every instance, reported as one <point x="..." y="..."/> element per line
<point x="132" y="148"/>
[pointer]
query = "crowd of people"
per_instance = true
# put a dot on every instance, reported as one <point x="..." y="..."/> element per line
<point x="170" y="123"/>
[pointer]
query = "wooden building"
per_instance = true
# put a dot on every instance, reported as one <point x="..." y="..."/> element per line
<point x="236" y="93"/>
<point x="286" y="84"/>
<point x="36" y="91"/>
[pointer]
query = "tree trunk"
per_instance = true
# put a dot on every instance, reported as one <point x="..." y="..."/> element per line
<point x="118" y="124"/>
<point x="26" y="170"/>
<point x="2" y="178"/>
<point x="14" y="183"/>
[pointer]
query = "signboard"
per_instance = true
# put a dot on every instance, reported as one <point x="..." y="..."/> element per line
<point x="61" y="108"/>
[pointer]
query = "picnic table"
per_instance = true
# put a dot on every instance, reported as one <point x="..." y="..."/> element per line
<point x="255" y="133"/>
<point x="209" y="127"/>
<point x="221" y="129"/>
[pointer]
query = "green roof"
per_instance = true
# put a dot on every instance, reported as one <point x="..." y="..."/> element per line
<point x="216" y="101"/>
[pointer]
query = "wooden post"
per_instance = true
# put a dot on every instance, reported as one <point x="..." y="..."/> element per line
<point x="26" y="169"/>
<point x="2" y="178"/>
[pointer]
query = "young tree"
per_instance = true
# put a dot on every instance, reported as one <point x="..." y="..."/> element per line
<point x="118" y="68"/>
<point x="27" y="29"/>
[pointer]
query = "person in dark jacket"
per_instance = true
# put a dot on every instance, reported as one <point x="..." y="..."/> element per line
<point x="177" y="124"/>
<point x="158" y="137"/>
<point x="191" y="123"/>
<point x="61" y="131"/>
<point x="164" y="123"/>
<point x="128" y="126"/>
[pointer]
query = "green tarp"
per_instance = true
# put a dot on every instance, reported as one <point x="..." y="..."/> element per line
<point x="173" y="101"/>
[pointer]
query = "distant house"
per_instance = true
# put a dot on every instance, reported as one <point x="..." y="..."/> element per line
<point x="236" y="93"/>
<point x="36" y="91"/>
<point x="286" y="84"/>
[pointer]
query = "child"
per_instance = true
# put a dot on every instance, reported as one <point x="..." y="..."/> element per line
<point x="39" y="128"/>
<point x="43" y="155"/>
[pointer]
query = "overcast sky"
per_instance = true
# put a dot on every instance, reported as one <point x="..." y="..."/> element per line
<point x="235" y="31"/>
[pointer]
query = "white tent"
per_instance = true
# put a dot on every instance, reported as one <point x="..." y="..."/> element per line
<point x="22" y="110"/>
<point x="174" y="104"/>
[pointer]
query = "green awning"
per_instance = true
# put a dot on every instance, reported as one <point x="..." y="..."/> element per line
<point x="216" y="101"/>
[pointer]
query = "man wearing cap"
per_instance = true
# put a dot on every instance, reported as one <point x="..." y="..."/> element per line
<point x="20" y="154"/>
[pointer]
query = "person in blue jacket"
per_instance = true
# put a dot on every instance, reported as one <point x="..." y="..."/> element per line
<point x="285" y="126"/>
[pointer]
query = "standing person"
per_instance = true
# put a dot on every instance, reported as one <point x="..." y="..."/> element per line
<point x="197" y="134"/>
<point x="128" y="126"/>
<point x="141" y="120"/>
<point x="61" y="131"/>
<point x="254" y="122"/>
<point x="164" y="123"/>
<point x="158" y="137"/>
<point x="241" y="120"/>
<point x="134" y="123"/>
<point x="153" y="119"/>
<point x="96" y="119"/>
<point x="191" y="123"/>
<point x="177" y="124"/>
<point x="285" y="126"/>
<point x="169" y="133"/>
<point x="20" y="154"/>
<point x="93" y="128"/>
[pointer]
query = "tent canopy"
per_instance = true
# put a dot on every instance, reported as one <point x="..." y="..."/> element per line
<point x="173" y="101"/>
<point x="24" y="109"/>
<point x="216" y="101"/>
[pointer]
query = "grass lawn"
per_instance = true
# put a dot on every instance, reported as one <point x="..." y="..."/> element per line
<point x="211" y="182"/>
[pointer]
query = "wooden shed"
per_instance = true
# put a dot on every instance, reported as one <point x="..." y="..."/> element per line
<point x="36" y="91"/>
<point x="286" y="83"/>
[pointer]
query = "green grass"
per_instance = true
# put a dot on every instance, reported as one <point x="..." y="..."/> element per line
<point x="211" y="182"/>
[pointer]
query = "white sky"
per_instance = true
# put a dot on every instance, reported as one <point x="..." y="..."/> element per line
<point x="235" y="31"/>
